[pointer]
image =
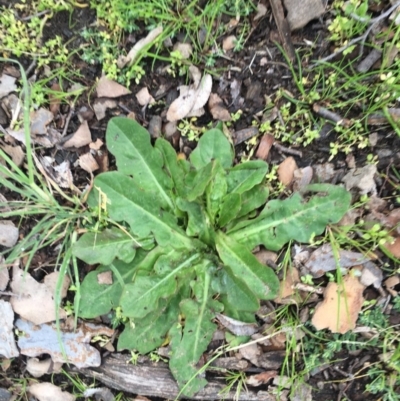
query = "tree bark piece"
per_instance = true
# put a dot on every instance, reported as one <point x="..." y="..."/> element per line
<point x="283" y="28"/>
<point x="155" y="380"/>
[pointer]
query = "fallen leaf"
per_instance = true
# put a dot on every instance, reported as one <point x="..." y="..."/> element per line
<point x="38" y="368"/>
<point x="300" y="14"/>
<point x="80" y="138"/>
<point x="44" y="339"/>
<point x="8" y="349"/>
<point x="394" y="247"/>
<point x="217" y="108"/>
<point x="237" y="327"/>
<point x="323" y="260"/>
<point x="35" y="301"/>
<point x="190" y="99"/>
<point x="287" y="284"/>
<point x="342" y="303"/>
<point x="390" y="283"/>
<point x="96" y="145"/>
<point x="55" y="98"/>
<point x="144" y="98"/>
<point x="40" y="119"/>
<point x="229" y="42"/>
<point x="362" y="179"/>
<point x="261" y="378"/>
<point x="324" y="172"/>
<point x="286" y="171"/>
<point x="99" y="393"/>
<point x="244" y="134"/>
<point x="251" y="352"/>
<point x="8" y="233"/>
<point x="15" y="152"/>
<point x="302" y="177"/>
<point x="49" y="392"/>
<point x="265" y="146"/>
<point x="7" y="85"/>
<point x="101" y="105"/>
<point x="108" y="88"/>
<point x="4" y="275"/>
<point x="371" y="275"/>
<point x="139" y="45"/>
<point x="261" y="11"/>
<point x="60" y="174"/>
<point x="105" y="278"/>
<point x="88" y="162"/>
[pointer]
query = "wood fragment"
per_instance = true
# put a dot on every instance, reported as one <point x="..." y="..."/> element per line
<point x="373" y="56"/>
<point x="288" y="151"/>
<point x="155" y="380"/>
<point x="330" y="115"/>
<point x="265" y="146"/>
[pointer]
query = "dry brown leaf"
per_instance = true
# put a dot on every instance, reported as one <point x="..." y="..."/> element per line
<point x="144" y="98"/>
<point x="80" y="138"/>
<point x="60" y="174"/>
<point x="251" y="352"/>
<point x="265" y="146"/>
<point x="217" y="108"/>
<point x="287" y="285"/>
<point x="261" y="378"/>
<point x="286" y="171"/>
<point x="96" y="145"/>
<point x="394" y="247"/>
<point x="261" y="11"/>
<point x="390" y="283"/>
<point x="108" y="88"/>
<point x="237" y="327"/>
<point x="38" y="368"/>
<point x="88" y="162"/>
<point x="302" y="177"/>
<point x="229" y="43"/>
<point x="49" y="392"/>
<point x="35" y="301"/>
<point x="15" y="152"/>
<point x="362" y="179"/>
<point x="342" y="303"/>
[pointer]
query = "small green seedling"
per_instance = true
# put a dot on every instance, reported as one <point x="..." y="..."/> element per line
<point x="185" y="251"/>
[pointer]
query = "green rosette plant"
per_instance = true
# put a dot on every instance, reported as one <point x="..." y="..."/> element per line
<point x="180" y="239"/>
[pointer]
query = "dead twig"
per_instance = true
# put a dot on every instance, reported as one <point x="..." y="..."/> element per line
<point x="289" y="151"/>
<point x="372" y="22"/>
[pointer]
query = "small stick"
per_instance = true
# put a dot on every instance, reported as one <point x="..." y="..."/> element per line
<point x="330" y="115"/>
<point x="289" y="151"/>
<point x="67" y="120"/>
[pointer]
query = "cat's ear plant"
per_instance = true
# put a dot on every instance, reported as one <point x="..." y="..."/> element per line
<point x="180" y="246"/>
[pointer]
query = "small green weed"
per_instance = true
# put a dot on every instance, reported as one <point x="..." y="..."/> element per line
<point x="189" y="257"/>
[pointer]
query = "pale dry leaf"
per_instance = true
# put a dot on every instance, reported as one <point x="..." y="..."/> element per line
<point x="217" y="108"/>
<point x="324" y="172"/>
<point x="99" y="393"/>
<point x="7" y="85"/>
<point x="261" y="11"/>
<point x="100" y="107"/>
<point x="302" y="177"/>
<point x="88" y="162"/>
<point x="8" y="233"/>
<point x="81" y="137"/>
<point x="60" y="174"/>
<point x="301" y="13"/>
<point x="40" y="119"/>
<point x="361" y="179"/>
<point x="190" y="99"/>
<point x="323" y="260"/>
<point x="229" y="43"/>
<point x="371" y="275"/>
<point x="185" y="49"/>
<point x="38" y="368"/>
<point x="237" y="327"/>
<point x="49" y="392"/>
<point x="286" y="171"/>
<point x="8" y="349"/>
<point x="96" y="145"/>
<point x="45" y="339"/>
<point x="4" y="275"/>
<point x="35" y="301"/>
<point x="195" y="75"/>
<point x="108" y="88"/>
<point x="143" y="97"/>
<point x="139" y="45"/>
<point x="342" y="303"/>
